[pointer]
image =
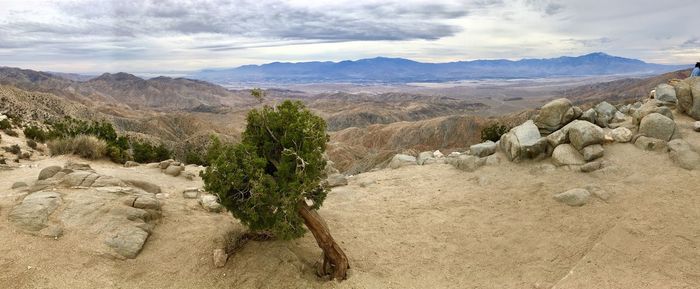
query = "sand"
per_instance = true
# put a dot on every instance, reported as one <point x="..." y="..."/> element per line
<point x="414" y="227"/>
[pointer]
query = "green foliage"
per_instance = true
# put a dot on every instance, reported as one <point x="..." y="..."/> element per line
<point x="36" y="133"/>
<point x="31" y="143"/>
<point x="5" y="124"/>
<point x="278" y="165"/>
<point x="10" y="132"/>
<point x="258" y="94"/>
<point x="493" y="132"/>
<point x="147" y="153"/>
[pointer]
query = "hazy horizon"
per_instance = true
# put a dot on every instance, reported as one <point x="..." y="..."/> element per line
<point x="179" y="36"/>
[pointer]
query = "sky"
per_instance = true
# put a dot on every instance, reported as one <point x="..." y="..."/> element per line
<point x="176" y="36"/>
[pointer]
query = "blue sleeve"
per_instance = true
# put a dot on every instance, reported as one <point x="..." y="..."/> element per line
<point x="696" y="72"/>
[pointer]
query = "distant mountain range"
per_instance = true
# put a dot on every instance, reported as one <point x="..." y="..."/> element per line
<point x="400" y="70"/>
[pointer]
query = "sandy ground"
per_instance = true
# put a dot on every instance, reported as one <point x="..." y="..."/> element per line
<point x="414" y="227"/>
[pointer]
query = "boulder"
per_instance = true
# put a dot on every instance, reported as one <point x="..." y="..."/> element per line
<point x="604" y="113"/>
<point x="696" y="126"/>
<point x="131" y="164"/>
<point x="74" y="166"/>
<point x="657" y="126"/>
<point x="666" y="94"/>
<point x="48" y="172"/>
<point x="561" y="136"/>
<point x="90" y="179"/>
<point x="191" y="193"/>
<point x="438" y="155"/>
<point x="555" y="115"/>
<point x="165" y="164"/>
<point x="210" y="203"/>
<point x="523" y="142"/>
<point x="589" y="115"/>
<point x="621" y="134"/>
<point x="583" y="134"/>
<point x="574" y="197"/>
<point x="649" y="107"/>
<point x="146" y="186"/>
<point x="566" y="154"/>
<point x="128" y="241"/>
<point x="425" y="158"/>
<point x="401" y="160"/>
<point x="32" y="214"/>
<point x="190" y="176"/>
<point x="173" y="170"/>
<point x="683" y="155"/>
<point x="591" y="166"/>
<point x="467" y="163"/>
<point x="684" y="95"/>
<point x="18" y="185"/>
<point x="694" y="109"/>
<point x="336" y="180"/>
<point x="220" y="257"/>
<point x="592" y="152"/>
<point x="483" y="149"/>
<point x="650" y="144"/>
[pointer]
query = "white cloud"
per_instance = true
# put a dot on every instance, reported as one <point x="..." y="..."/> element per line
<point x="155" y="35"/>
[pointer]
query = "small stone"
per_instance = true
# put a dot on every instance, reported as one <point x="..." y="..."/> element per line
<point x="190" y="193"/>
<point x="622" y="134"/>
<point x="220" y="258"/>
<point x="210" y="203"/>
<point x="165" y="164"/>
<point x="18" y="185"/>
<point x="592" y="166"/>
<point x="146" y="202"/>
<point x="574" y="197"/>
<point x="337" y="180"/>
<point x="592" y="152"/>
<point x="131" y="164"/>
<point x="438" y="155"/>
<point x="483" y="149"/>
<point x="696" y="126"/>
<point x="48" y="172"/>
<point x="174" y="170"/>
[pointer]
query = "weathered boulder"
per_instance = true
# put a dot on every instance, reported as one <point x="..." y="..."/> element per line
<point x="165" y="164"/>
<point x="90" y="179"/>
<point x="574" y="197"/>
<point x="684" y="95"/>
<point x="694" y="109"/>
<point x="566" y="154"/>
<point x="555" y="114"/>
<point x="583" y="134"/>
<point x="146" y="202"/>
<point x="75" y="166"/>
<point x="401" y="160"/>
<point x="592" y="152"/>
<point x="174" y="170"/>
<point x="128" y="241"/>
<point x="18" y="185"/>
<point x="591" y="166"/>
<point x="696" y="126"/>
<point x="560" y="136"/>
<point x="650" y="143"/>
<point x="144" y="185"/>
<point x="683" y="154"/>
<point x="210" y="203"/>
<point x="604" y="113"/>
<point x="657" y="126"/>
<point x="523" y="142"/>
<point x="336" y="180"/>
<point x="438" y="155"/>
<point x="425" y="158"/>
<point x="621" y="134"/>
<point x="666" y="94"/>
<point x="589" y="115"/>
<point x="32" y="214"/>
<point x="483" y="149"/>
<point x="48" y="172"/>
<point x="649" y="107"/>
<point x="131" y="164"/>
<point x="220" y="257"/>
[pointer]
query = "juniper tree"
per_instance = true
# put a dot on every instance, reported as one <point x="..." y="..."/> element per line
<point x="272" y="179"/>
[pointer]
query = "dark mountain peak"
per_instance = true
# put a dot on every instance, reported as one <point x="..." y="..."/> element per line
<point x="119" y="77"/>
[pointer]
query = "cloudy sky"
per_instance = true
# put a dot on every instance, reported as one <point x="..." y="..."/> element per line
<point x="159" y="36"/>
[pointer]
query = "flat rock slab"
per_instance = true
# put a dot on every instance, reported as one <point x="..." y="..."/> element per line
<point x="34" y="211"/>
<point x="128" y="241"/>
<point x="574" y="197"/>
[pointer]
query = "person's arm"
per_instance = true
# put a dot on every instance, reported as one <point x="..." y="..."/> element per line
<point x="696" y="72"/>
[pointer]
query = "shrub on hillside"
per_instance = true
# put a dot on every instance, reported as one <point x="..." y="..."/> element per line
<point x="36" y="133"/>
<point x="88" y="147"/>
<point x="5" y="124"/>
<point x="10" y="132"/>
<point x="493" y="132"/>
<point x="14" y="149"/>
<point x="31" y="143"/>
<point x="147" y="153"/>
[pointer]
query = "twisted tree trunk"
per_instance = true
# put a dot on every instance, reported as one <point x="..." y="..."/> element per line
<point x="335" y="263"/>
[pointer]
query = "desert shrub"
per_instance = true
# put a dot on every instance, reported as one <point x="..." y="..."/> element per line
<point x="10" y="132"/>
<point x="118" y="155"/>
<point x="13" y="149"/>
<point x="36" y="133"/>
<point x="85" y="146"/>
<point x="5" y="124"/>
<point x="146" y="153"/>
<point x="31" y="143"/>
<point x="267" y="178"/>
<point x="493" y="132"/>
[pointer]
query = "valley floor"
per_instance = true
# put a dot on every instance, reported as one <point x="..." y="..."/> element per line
<point x="415" y="227"/>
